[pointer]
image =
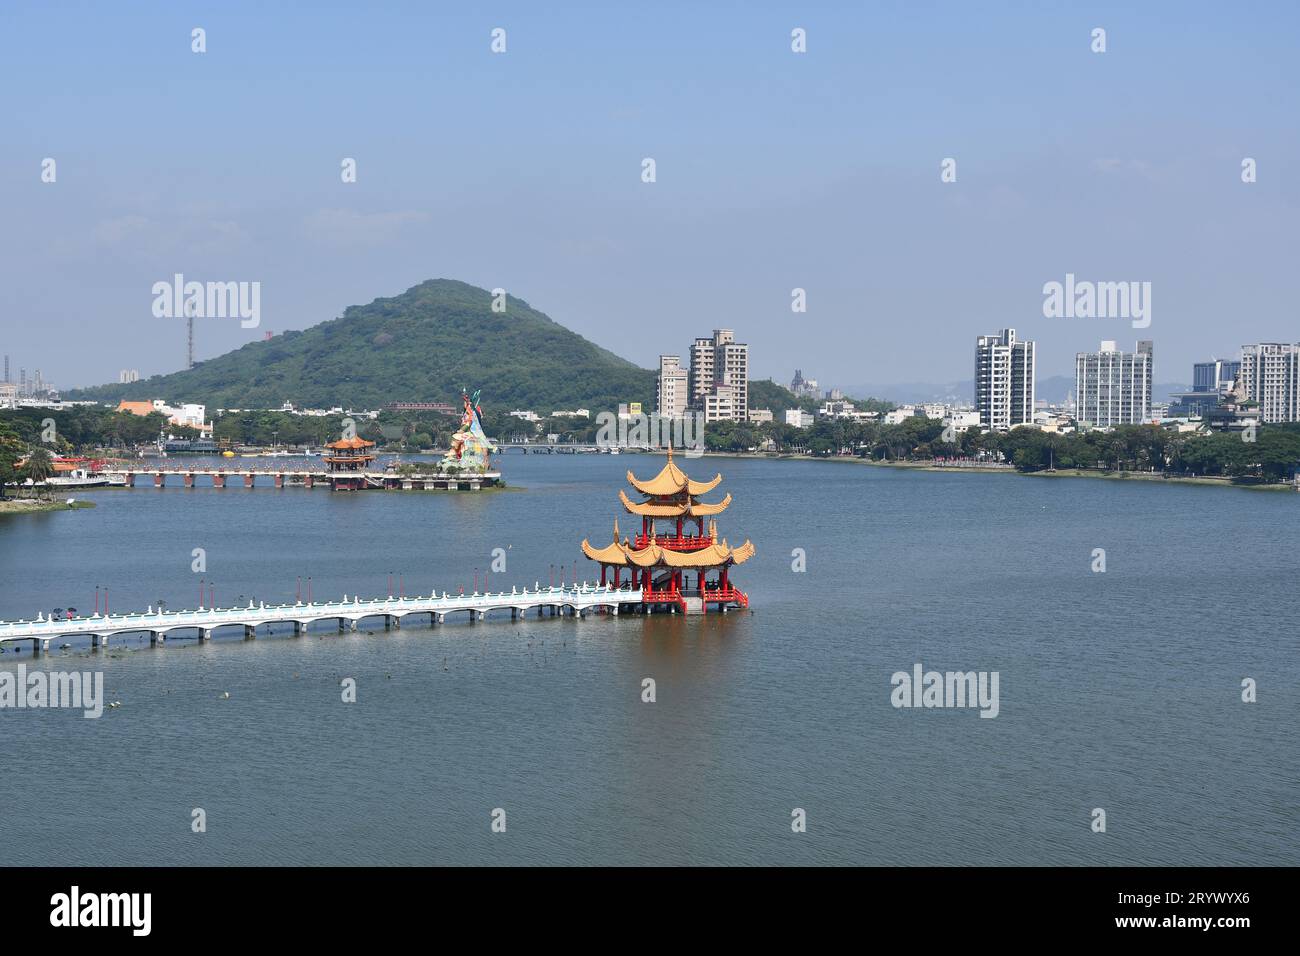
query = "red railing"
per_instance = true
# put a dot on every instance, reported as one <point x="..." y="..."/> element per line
<point x="672" y="595"/>
<point x="674" y="542"/>
<point x="727" y="594"/>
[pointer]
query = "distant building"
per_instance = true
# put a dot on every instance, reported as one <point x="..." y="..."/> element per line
<point x="442" y="408"/>
<point x="1113" y="387"/>
<point x="188" y="415"/>
<point x="962" y="419"/>
<point x="760" y="416"/>
<point x="803" y="387"/>
<point x="1211" y="381"/>
<point x="128" y="375"/>
<point x="671" y="391"/>
<point x="896" y="416"/>
<point x="576" y="413"/>
<point x="1004" y="381"/>
<point x="1215" y="376"/>
<point x="526" y="415"/>
<point x="798" y="418"/>
<point x="1270" y="377"/>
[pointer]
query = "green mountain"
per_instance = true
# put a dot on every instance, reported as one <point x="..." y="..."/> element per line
<point x="424" y="345"/>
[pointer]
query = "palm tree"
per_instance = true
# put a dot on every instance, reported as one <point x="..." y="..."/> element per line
<point x="39" y="467"/>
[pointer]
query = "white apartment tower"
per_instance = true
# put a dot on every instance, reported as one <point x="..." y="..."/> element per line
<point x="671" y="396"/>
<point x="1113" y="387"/>
<point x="1004" y="381"/>
<point x="1270" y="375"/>
<point x="719" y="377"/>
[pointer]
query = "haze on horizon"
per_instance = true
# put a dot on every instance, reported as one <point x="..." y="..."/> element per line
<point x="775" y="170"/>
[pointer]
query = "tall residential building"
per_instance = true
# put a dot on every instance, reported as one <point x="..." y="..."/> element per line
<point x="1270" y="376"/>
<point x="1004" y="381"/>
<point x="719" y="377"/>
<point x="701" y="377"/>
<point x="671" y="397"/>
<point x="1113" y="387"/>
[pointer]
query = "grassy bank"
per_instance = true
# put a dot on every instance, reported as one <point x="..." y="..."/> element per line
<point x="21" y="506"/>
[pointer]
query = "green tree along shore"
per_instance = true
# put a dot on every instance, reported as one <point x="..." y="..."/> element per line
<point x="1273" y="456"/>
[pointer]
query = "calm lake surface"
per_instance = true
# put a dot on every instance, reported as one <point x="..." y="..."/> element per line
<point x="1119" y="690"/>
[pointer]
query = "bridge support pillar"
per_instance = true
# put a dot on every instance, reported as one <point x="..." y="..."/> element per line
<point x="307" y="481"/>
<point x="397" y="623"/>
<point x="297" y="628"/>
<point x="439" y="618"/>
<point x="248" y="481"/>
<point x="614" y="610"/>
<point x="205" y="634"/>
<point x="218" y="481"/>
<point x="514" y="614"/>
<point x="45" y="646"/>
<point x="352" y="625"/>
<point x="94" y="642"/>
<point x="153" y="638"/>
<point x="250" y="632"/>
<point x="279" y="481"/>
<point x="158" y="480"/>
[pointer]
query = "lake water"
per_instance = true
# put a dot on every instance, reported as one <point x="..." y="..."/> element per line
<point x="1118" y="690"/>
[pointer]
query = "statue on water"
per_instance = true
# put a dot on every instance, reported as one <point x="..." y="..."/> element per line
<point x="471" y="451"/>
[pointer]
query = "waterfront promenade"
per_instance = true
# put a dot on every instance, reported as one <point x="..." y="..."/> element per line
<point x="202" y="623"/>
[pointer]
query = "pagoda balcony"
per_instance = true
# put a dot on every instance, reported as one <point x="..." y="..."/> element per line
<point x="674" y="542"/>
<point x="710" y="595"/>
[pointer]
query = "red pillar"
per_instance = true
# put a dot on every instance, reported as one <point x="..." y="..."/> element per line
<point x="218" y="481"/>
<point x="158" y="480"/>
<point x="189" y="479"/>
<point x="307" y="481"/>
<point x="279" y="481"/>
<point x="248" y="481"/>
<point x="602" y="575"/>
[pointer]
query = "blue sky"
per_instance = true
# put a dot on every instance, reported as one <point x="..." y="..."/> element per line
<point x="775" y="170"/>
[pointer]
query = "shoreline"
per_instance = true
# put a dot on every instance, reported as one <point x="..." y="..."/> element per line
<point x="1160" y="477"/>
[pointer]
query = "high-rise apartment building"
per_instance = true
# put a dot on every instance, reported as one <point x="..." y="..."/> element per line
<point x="1004" y="381"/>
<point x="671" y="395"/>
<point x="1270" y="376"/>
<point x="719" y="377"/>
<point x="1113" y="387"/>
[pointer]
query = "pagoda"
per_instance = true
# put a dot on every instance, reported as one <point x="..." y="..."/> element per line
<point x="677" y="566"/>
<point x="348" y="456"/>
